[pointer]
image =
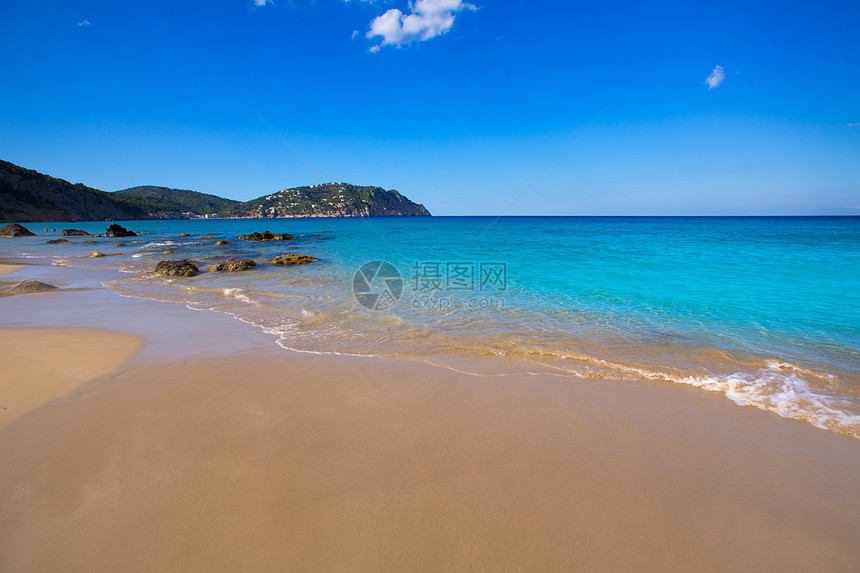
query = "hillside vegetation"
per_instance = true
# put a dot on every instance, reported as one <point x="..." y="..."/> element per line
<point x="27" y="195"/>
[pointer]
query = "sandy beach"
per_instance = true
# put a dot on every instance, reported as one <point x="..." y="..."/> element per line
<point x="153" y="444"/>
<point x="6" y="269"/>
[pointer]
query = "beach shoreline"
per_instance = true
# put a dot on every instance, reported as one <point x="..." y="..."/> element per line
<point x="214" y="449"/>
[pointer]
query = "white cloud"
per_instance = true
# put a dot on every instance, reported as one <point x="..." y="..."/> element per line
<point x="426" y="19"/>
<point x="716" y="77"/>
<point x="84" y="23"/>
<point x="262" y="2"/>
<point x="354" y="34"/>
<point x="852" y="124"/>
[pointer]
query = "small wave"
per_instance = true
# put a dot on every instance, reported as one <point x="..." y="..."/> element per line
<point x="237" y="294"/>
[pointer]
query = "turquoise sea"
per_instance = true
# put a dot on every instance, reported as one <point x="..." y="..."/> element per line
<point x="763" y="309"/>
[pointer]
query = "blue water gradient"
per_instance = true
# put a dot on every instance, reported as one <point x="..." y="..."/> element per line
<point x="763" y="309"/>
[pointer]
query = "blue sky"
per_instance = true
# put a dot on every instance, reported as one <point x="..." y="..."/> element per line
<point x="459" y="106"/>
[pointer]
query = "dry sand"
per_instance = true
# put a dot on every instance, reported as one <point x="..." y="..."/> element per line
<point x="6" y="269"/>
<point x="274" y="461"/>
<point x="43" y="364"/>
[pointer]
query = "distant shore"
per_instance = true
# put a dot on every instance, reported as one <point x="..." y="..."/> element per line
<point x="209" y="448"/>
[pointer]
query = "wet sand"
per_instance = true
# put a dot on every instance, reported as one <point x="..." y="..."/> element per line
<point x="43" y="364"/>
<point x="6" y="269"/>
<point x="269" y="460"/>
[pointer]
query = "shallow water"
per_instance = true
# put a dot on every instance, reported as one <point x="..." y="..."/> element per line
<point x="765" y="310"/>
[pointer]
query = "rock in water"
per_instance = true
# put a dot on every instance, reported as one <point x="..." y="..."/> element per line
<point x="30" y="286"/>
<point x="15" y="230"/>
<point x="59" y="242"/>
<point x="222" y="243"/>
<point x="233" y="265"/>
<point x="95" y="254"/>
<point x="205" y="237"/>
<point x="119" y="231"/>
<point x="292" y="259"/>
<point x="73" y="233"/>
<point x="267" y="236"/>
<point x="176" y="268"/>
<point x="184" y="235"/>
<point x="120" y="244"/>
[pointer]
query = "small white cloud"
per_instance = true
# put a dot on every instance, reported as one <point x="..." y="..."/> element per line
<point x="427" y="19"/>
<point x="373" y="49"/>
<point x="84" y="23"/>
<point x="853" y="124"/>
<point x="716" y="77"/>
<point x="262" y="2"/>
<point x="354" y="33"/>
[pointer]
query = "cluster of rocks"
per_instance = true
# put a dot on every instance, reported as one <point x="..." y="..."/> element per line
<point x="167" y="268"/>
<point x="267" y="236"/>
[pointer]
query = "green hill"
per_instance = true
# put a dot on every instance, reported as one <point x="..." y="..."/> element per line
<point x="27" y="195"/>
<point x="330" y="200"/>
<point x="178" y="200"/>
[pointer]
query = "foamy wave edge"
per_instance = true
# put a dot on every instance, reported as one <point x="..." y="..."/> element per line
<point x="778" y="387"/>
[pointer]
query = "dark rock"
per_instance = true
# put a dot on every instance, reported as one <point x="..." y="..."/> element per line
<point x="73" y="233"/>
<point x="88" y="242"/>
<point x="120" y="245"/>
<point x="267" y="236"/>
<point x="29" y="286"/>
<point x="15" y="230"/>
<point x="95" y="254"/>
<point x="176" y="268"/>
<point x="222" y="243"/>
<point x="293" y="259"/>
<point x="205" y="237"/>
<point x="59" y="242"/>
<point x="233" y="265"/>
<point x="184" y="235"/>
<point x="119" y="231"/>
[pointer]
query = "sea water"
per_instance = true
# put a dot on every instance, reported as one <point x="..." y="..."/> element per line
<point x="763" y="309"/>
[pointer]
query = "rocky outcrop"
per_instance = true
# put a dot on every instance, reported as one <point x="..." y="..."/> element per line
<point x="185" y="235"/>
<point x="293" y="259"/>
<point x="331" y="200"/>
<point x="267" y="236"/>
<point x="233" y="265"/>
<point x="16" y="230"/>
<point x="176" y="268"/>
<point x="28" y="286"/>
<point x="118" y="231"/>
<point x="222" y="243"/>
<point x="96" y="254"/>
<point x="59" y="242"/>
<point x="73" y="233"/>
<point x="120" y="245"/>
